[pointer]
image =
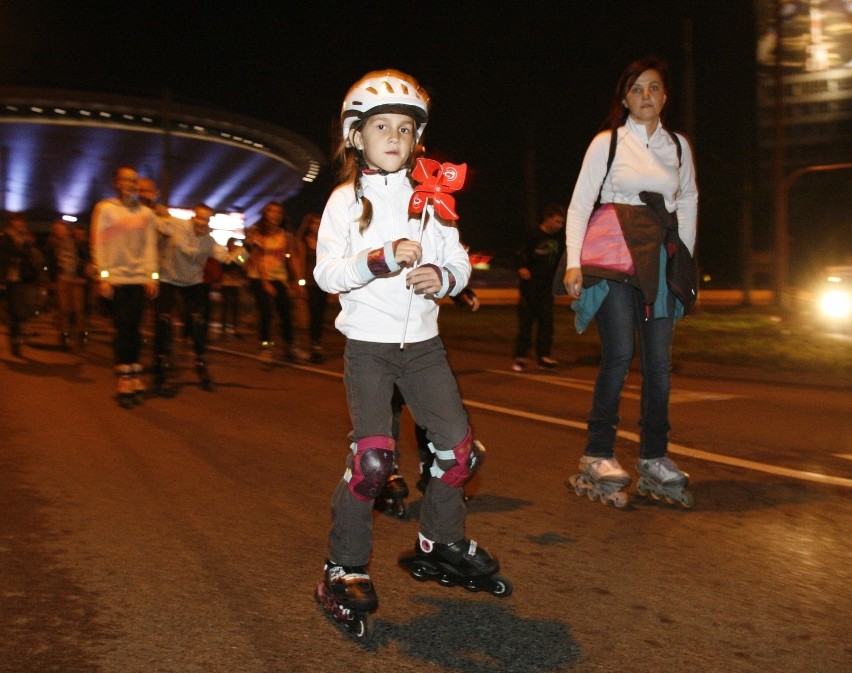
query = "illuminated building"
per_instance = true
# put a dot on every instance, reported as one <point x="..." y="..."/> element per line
<point x="815" y="42"/>
<point x="58" y="150"/>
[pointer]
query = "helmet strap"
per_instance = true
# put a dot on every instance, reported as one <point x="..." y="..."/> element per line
<point x="361" y="162"/>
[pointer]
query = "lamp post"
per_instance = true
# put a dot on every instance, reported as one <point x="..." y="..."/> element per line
<point x="782" y="224"/>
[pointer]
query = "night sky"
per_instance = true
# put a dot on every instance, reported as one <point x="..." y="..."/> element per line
<point x="509" y="81"/>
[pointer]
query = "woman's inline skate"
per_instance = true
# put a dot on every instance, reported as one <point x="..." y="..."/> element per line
<point x="661" y="479"/>
<point x="601" y="479"/>
<point x="462" y="562"/>
<point x="347" y="594"/>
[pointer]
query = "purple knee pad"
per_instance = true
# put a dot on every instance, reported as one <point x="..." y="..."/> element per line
<point x="371" y="465"/>
<point x="467" y="455"/>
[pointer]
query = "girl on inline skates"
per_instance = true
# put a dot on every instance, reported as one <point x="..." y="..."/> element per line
<point x="642" y="176"/>
<point x="368" y="252"/>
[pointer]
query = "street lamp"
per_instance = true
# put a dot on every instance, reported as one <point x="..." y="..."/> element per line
<point x="782" y="226"/>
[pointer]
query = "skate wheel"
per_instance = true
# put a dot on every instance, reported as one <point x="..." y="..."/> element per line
<point x="619" y="499"/>
<point x="502" y="587"/>
<point x="687" y="500"/>
<point x="576" y="482"/>
<point x="591" y="495"/>
<point x="419" y="574"/>
<point x="363" y="627"/>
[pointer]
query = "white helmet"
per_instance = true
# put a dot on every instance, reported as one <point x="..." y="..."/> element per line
<point x="385" y="91"/>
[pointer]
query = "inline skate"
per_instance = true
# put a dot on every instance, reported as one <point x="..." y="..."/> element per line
<point x="125" y="391"/>
<point x="139" y="390"/>
<point x="462" y="562"/>
<point x="163" y="372"/>
<point x="601" y="479"/>
<point x="347" y="594"/>
<point x="661" y="479"/>
<point x="204" y="375"/>
<point x="391" y="499"/>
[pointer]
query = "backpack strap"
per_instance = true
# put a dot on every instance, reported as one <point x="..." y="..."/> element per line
<point x="613" y="141"/>
<point x="678" y="146"/>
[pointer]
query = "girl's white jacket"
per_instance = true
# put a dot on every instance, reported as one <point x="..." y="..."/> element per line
<point x="374" y="308"/>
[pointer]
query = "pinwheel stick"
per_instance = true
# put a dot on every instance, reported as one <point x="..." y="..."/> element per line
<point x="411" y="287"/>
<point x="436" y="181"/>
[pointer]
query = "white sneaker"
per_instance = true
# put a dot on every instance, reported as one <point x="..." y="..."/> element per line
<point x="519" y="364"/>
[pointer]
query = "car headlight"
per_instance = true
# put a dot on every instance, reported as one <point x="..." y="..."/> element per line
<point x="836" y="304"/>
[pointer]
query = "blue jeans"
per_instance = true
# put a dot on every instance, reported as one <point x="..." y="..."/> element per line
<point x="423" y="376"/>
<point x="619" y="320"/>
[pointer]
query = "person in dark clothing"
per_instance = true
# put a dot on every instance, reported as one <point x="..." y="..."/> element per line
<point x="19" y="275"/>
<point x="536" y="262"/>
<point x="306" y="238"/>
<point x="230" y="286"/>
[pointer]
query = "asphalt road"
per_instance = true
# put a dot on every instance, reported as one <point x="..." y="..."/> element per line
<point x="187" y="534"/>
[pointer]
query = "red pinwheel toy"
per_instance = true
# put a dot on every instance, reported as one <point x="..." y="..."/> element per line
<point x="437" y="182"/>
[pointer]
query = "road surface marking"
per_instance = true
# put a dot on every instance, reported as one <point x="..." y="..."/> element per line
<point x="631" y="392"/>
<point x="675" y="448"/>
<point x="846" y="456"/>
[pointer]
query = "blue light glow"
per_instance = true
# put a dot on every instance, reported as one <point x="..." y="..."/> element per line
<point x="58" y="157"/>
